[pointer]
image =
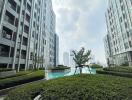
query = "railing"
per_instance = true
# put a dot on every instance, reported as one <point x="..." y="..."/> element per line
<point x="12" y="6"/>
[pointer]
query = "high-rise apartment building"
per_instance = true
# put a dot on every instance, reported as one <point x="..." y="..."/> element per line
<point x="118" y="41"/>
<point x="56" y="50"/>
<point x="72" y="62"/>
<point x="27" y="29"/>
<point x="66" y="59"/>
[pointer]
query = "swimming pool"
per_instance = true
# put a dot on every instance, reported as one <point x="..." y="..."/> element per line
<point x="53" y="75"/>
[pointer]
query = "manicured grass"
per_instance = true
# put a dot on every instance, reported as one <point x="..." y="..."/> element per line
<point x="119" y="69"/>
<point x="13" y="81"/>
<point x="18" y="74"/>
<point x="78" y="87"/>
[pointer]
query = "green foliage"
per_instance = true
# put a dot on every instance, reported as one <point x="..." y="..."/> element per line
<point x="18" y="74"/>
<point x="81" y="57"/>
<point x="37" y="60"/>
<point x="26" y="92"/>
<point x="9" y="82"/>
<point x="5" y="69"/>
<point x="96" y="66"/>
<point x="119" y="69"/>
<point x="78" y="87"/>
<point x="122" y="74"/>
<point x="60" y="68"/>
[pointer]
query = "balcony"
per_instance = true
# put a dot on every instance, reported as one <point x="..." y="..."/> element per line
<point x="4" y="50"/>
<point x="27" y="18"/>
<point x="26" y="29"/>
<point x="9" y="18"/>
<point x="28" y="7"/>
<point x="23" y="54"/>
<point x="7" y="33"/>
<point x="25" y="41"/>
<point x="12" y="4"/>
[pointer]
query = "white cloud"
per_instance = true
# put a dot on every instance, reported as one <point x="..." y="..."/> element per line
<point x="75" y="24"/>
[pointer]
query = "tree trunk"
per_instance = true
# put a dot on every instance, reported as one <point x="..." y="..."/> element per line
<point x="75" y="70"/>
<point x="80" y="70"/>
<point x="89" y="69"/>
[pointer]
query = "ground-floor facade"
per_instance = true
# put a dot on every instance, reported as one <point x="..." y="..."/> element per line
<point x="120" y="59"/>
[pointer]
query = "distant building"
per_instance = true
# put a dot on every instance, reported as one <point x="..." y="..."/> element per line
<point x="56" y="59"/>
<point x="118" y="41"/>
<point x="72" y="62"/>
<point x="66" y="59"/>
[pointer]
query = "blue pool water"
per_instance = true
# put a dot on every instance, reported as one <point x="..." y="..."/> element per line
<point x="53" y="75"/>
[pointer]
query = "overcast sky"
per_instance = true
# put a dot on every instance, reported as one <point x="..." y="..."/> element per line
<point x="81" y="23"/>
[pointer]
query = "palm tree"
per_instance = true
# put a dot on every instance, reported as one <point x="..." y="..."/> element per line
<point x="81" y="58"/>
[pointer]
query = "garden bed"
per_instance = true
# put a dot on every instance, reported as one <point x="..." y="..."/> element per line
<point x="5" y="74"/>
<point x="5" y="69"/>
<point x="121" y="74"/>
<point x="62" y="68"/>
<point x="13" y="81"/>
<point x="78" y="87"/>
<point x="18" y="74"/>
<point x="119" y="69"/>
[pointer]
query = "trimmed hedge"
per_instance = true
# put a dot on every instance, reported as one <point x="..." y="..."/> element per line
<point x="60" y="68"/>
<point x="96" y="66"/>
<point x="18" y="74"/>
<point x="78" y="87"/>
<point x="9" y="82"/>
<point x="122" y="74"/>
<point x="119" y="69"/>
<point x="26" y="92"/>
<point x="5" y="69"/>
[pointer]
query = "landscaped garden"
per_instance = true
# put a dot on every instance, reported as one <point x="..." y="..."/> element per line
<point x="77" y="87"/>
<point x="117" y="71"/>
<point x="59" y="67"/>
<point x="21" y="78"/>
<point x="5" y="69"/>
<point x="124" y="69"/>
<point x="74" y="87"/>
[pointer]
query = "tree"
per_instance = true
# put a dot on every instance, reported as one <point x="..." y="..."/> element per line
<point x="81" y="58"/>
<point x="37" y="60"/>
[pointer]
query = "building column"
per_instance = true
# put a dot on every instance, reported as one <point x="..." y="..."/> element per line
<point x="130" y="58"/>
<point x="15" y="49"/>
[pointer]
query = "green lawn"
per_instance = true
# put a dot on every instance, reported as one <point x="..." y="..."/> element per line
<point x="78" y="87"/>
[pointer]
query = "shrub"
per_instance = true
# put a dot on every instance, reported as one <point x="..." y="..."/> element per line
<point x="18" y="74"/>
<point x="119" y="69"/>
<point x="5" y="69"/>
<point x="122" y="74"/>
<point x="96" y="66"/>
<point x="78" y="87"/>
<point x="60" y="68"/>
<point x="26" y="92"/>
<point x="9" y="82"/>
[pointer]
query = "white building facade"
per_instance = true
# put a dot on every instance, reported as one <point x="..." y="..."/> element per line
<point x="66" y="59"/>
<point x="118" y="41"/>
<point x="27" y="30"/>
<point x="56" y="50"/>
